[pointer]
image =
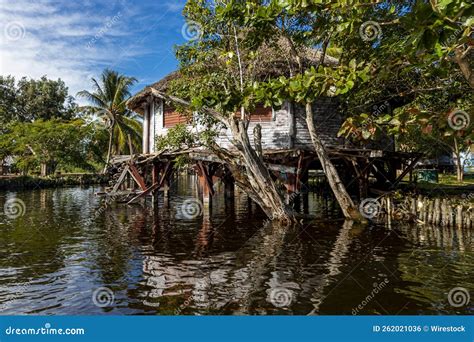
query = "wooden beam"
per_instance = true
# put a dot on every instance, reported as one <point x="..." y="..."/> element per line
<point x="405" y="172"/>
<point x="155" y="173"/>
<point x="165" y="174"/>
<point x="299" y="171"/>
<point x="120" y="180"/>
<point x="281" y="168"/>
<point x="137" y="177"/>
<point x="144" y="193"/>
<point x="207" y="179"/>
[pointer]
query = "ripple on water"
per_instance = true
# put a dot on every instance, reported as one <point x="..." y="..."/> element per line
<point x="64" y="248"/>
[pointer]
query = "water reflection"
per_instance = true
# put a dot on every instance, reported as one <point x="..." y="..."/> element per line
<point x="227" y="261"/>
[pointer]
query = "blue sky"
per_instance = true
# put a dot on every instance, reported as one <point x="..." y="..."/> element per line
<point x="76" y="40"/>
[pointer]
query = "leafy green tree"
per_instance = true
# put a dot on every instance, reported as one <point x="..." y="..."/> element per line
<point x="108" y="101"/>
<point x="8" y="111"/>
<point x="420" y="55"/>
<point x="48" y="145"/>
<point x="29" y="100"/>
<point x="217" y="76"/>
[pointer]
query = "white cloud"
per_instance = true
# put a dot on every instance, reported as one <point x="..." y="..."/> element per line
<point x="71" y="43"/>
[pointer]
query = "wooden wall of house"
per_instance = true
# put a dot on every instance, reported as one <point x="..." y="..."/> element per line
<point x="276" y="128"/>
<point x="327" y="120"/>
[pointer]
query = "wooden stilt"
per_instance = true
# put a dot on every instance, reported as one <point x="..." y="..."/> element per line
<point x="229" y="189"/>
<point x="205" y="184"/>
<point x="155" y="173"/>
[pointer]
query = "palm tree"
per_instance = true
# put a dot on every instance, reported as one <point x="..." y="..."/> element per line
<point x="108" y="101"/>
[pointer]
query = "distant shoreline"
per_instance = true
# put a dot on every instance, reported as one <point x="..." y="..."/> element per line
<point x="57" y="181"/>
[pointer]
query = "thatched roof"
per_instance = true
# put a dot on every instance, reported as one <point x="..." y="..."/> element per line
<point x="275" y="61"/>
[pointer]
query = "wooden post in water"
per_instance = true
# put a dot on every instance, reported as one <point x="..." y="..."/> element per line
<point x="425" y="210"/>
<point x="437" y="211"/>
<point x="430" y="211"/>
<point x="459" y="216"/>
<point x="471" y="218"/>
<point x="155" y="173"/>
<point x="389" y="211"/>
<point x="451" y="215"/>
<point x="205" y="185"/>
<point x="444" y="213"/>
<point x="229" y="189"/>
<point x="413" y="207"/>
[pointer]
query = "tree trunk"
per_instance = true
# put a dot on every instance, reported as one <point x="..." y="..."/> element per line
<point x="47" y="168"/>
<point x="458" y="163"/>
<point x="459" y="170"/>
<point x="255" y="179"/>
<point x="463" y="61"/>
<point x="109" y="150"/>
<point x="43" y="170"/>
<point x="258" y="176"/>
<point x="345" y="201"/>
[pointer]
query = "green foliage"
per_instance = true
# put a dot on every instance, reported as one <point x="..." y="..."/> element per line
<point x="108" y="102"/>
<point x="30" y="100"/>
<point x="53" y="142"/>
<point x="177" y="137"/>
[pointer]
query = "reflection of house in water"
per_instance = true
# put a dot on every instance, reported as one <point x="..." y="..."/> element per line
<point x="168" y="277"/>
<point x="217" y="280"/>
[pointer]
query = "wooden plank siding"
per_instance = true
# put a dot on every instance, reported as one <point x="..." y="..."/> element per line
<point x="327" y="121"/>
<point x="276" y="125"/>
<point x="171" y="117"/>
<point x="275" y="129"/>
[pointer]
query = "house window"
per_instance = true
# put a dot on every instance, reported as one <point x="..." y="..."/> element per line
<point x="171" y="117"/>
<point x="261" y="114"/>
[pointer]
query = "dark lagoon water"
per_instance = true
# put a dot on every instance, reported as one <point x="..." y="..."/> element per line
<point x="66" y="255"/>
